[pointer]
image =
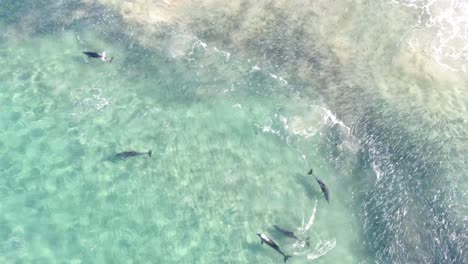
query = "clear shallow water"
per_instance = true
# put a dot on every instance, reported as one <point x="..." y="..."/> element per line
<point x="234" y="127"/>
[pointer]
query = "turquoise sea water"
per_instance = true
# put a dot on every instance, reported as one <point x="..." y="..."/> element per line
<point x="235" y="119"/>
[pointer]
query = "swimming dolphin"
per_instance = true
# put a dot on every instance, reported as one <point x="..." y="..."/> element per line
<point x="127" y="154"/>
<point x="324" y="189"/>
<point x="96" y="55"/>
<point x="273" y="244"/>
<point x="290" y="234"/>
<point x="310" y="172"/>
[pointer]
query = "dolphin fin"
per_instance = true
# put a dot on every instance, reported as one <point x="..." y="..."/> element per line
<point x="310" y="172"/>
<point x="286" y="258"/>
<point x="261" y="242"/>
<point x="150" y="152"/>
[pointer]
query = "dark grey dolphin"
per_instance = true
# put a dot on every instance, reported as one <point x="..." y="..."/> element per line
<point x="273" y="244"/>
<point x="96" y="55"/>
<point x="324" y="189"/>
<point x="127" y="154"/>
<point x="310" y="172"/>
<point x="290" y="234"/>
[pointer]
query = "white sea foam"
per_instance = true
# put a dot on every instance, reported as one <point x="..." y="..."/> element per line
<point x="279" y="78"/>
<point x="93" y="100"/>
<point x="268" y="127"/>
<point x="255" y="68"/>
<point x="445" y="24"/>
<point x="322" y="249"/>
<point x="225" y="53"/>
<point x="196" y="44"/>
<point x="377" y="170"/>
<point x="310" y="223"/>
<point x="329" y="117"/>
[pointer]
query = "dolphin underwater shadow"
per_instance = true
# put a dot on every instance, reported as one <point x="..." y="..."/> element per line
<point x="127" y="154"/>
<point x="291" y="234"/>
<point x="309" y="188"/>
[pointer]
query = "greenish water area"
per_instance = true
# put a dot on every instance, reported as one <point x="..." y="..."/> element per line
<point x="237" y="101"/>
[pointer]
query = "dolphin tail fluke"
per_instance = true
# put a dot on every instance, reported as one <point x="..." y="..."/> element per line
<point x="150" y="153"/>
<point x="286" y="258"/>
<point x="310" y="172"/>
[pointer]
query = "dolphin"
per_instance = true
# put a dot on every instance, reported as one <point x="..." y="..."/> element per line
<point x="273" y="244"/>
<point x="127" y="154"/>
<point x="290" y="234"/>
<point x="324" y="189"/>
<point x="310" y="172"/>
<point x="96" y="55"/>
